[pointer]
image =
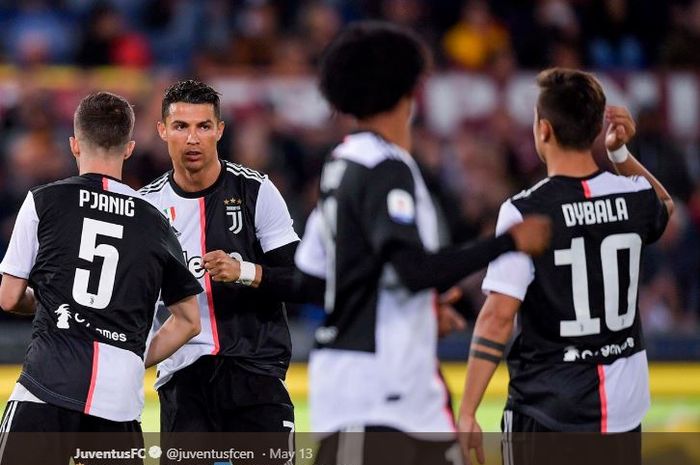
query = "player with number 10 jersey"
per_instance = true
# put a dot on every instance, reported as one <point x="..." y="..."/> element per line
<point x="578" y="362"/>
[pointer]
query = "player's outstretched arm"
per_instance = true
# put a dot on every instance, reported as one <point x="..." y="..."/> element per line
<point x="15" y="296"/>
<point x="421" y="270"/>
<point x="621" y="129"/>
<point x="182" y="325"/>
<point x="492" y="331"/>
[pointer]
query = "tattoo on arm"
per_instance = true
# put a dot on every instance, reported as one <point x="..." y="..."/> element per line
<point x="482" y="341"/>
<point x="485" y="356"/>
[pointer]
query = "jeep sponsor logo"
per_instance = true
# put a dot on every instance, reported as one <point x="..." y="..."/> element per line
<point x="194" y="264"/>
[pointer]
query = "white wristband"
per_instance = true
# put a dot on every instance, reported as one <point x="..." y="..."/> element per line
<point x="620" y="155"/>
<point x="247" y="273"/>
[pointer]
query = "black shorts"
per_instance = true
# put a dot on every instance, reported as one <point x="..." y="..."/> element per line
<point x="526" y="441"/>
<point x="378" y="445"/>
<point x="216" y="395"/>
<point x="34" y="433"/>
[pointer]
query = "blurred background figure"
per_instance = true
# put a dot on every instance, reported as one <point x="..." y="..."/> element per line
<point x="476" y="38"/>
<point x="108" y="41"/>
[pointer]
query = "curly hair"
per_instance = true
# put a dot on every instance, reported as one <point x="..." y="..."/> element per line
<point x="370" y="66"/>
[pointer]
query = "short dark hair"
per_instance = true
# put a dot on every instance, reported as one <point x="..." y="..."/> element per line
<point x="370" y="66"/>
<point x="190" y="91"/>
<point x="574" y="104"/>
<point x="105" y="120"/>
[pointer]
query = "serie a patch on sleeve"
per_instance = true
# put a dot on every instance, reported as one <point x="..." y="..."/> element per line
<point x="401" y="206"/>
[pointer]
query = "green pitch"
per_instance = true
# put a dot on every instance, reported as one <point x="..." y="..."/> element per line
<point x="672" y="414"/>
<point x="675" y="396"/>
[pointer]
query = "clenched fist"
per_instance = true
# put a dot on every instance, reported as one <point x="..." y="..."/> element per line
<point x="221" y="267"/>
<point x="621" y="127"/>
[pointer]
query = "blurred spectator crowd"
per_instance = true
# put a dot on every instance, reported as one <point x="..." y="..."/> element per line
<point x="288" y="35"/>
<point x="470" y="171"/>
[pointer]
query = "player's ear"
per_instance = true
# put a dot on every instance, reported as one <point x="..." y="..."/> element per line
<point x="160" y="126"/>
<point x="545" y="131"/>
<point x="129" y="149"/>
<point x="219" y="130"/>
<point x="74" y="146"/>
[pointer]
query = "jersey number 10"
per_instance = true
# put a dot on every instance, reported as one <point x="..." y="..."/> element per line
<point x="89" y="249"/>
<point x="575" y="257"/>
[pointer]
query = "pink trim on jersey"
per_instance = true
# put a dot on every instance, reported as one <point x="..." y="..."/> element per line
<point x="441" y="380"/>
<point x="95" y="368"/>
<point x="586" y="189"/>
<point x="603" y="400"/>
<point x="207" y="277"/>
<point x="105" y="183"/>
<point x="446" y="408"/>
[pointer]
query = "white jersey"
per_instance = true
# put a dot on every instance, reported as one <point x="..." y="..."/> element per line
<point x="244" y="215"/>
<point x="375" y="361"/>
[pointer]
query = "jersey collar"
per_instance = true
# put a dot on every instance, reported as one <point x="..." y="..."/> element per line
<point x="198" y="194"/>
<point x="578" y="178"/>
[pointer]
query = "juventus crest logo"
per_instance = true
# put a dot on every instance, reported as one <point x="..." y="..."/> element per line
<point x="233" y="209"/>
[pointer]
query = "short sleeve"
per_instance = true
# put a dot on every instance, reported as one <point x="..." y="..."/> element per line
<point x="511" y="273"/>
<point x="389" y="206"/>
<point x="178" y="283"/>
<point x="310" y="256"/>
<point x="273" y="224"/>
<point x="24" y="244"/>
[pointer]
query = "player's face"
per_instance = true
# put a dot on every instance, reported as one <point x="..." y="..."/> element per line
<point x="191" y="131"/>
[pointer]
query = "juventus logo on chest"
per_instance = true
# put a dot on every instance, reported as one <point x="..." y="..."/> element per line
<point x="233" y="209"/>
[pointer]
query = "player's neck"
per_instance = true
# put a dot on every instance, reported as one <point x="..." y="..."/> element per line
<point x="392" y="126"/>
<point x="100" y="165"/>
<point x="573" y="163"/>
<point x="195" y="181"/>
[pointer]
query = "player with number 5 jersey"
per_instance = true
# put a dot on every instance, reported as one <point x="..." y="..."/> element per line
<point x="95" y="257"/>
<point x="578" y="361"/>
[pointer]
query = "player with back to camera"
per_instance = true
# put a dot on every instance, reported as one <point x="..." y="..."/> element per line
<point x="578" y="361"/>
<point x="88" y="257"/>
<point x="373" y="239"/>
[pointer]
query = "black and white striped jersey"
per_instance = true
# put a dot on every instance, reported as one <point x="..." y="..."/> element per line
<point x="244" y="215"/>
<point x="375" y="361"/>
<point x="97" y="256"/>
<point x="578" y="362"/>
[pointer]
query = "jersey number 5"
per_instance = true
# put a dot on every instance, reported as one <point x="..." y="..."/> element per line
<point x="89" y="249"/>
<point x="575" y="257"/>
